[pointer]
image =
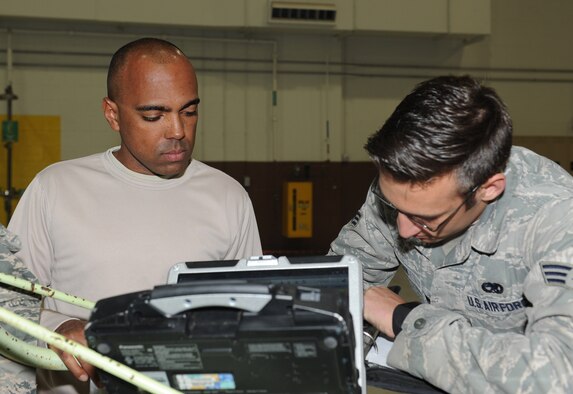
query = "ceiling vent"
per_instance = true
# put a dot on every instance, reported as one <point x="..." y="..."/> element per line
<point x="291" y="12"/>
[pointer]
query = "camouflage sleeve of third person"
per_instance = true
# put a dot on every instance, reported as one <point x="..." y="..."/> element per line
<point x="16" y="378"/>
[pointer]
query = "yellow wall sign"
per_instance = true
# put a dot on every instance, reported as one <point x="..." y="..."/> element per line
<point x="297" y="209"/>
<point x="37" y="145"/>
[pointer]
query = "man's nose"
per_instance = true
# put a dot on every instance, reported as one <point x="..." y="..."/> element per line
<point x="176" y="129"/>
<point x="406" y="228"/>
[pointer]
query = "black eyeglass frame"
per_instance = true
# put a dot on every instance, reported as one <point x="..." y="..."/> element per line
<point x="375" y="189"/>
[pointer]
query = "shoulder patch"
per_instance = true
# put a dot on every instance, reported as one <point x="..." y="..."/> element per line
<point x="558" y="274"/>
<point x="356" y="219"/>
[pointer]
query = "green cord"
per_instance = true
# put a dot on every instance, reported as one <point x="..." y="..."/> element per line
<point x="77" y="350"/>
<point x="45" y="291"/>
<point x="35" y="356"/>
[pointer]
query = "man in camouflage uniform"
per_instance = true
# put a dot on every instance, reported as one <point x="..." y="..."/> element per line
<point x="484" y="232"/>
<point x="16" y="378"/>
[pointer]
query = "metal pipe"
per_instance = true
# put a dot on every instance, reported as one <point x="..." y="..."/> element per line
<point x="9" y="58"/>
<point x="417" y="73"/>
<point x="440" y="68"/>
<point x="274" y="103"/>
<point x="9" y="193"/>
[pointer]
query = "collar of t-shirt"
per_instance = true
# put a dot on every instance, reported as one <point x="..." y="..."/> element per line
<point x="118" y="170"/>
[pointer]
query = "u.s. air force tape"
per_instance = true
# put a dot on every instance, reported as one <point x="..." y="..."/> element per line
<point x="558" y="274"/>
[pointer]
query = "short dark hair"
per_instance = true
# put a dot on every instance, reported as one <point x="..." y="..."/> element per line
<point x="446" y="124"/>
<point x="157" y="47"/>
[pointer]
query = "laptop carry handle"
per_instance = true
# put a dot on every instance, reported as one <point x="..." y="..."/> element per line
<point x="170" y="300"/>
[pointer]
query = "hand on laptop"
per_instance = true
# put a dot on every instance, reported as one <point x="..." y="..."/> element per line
<point x="74" y="330"/>
<point x="379" y="305"/>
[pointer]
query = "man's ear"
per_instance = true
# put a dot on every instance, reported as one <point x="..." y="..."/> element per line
<point x="110" y="111"/>
<point x="492" y="188"/>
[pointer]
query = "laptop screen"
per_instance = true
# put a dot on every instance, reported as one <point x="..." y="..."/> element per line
<point x="331" y="277"/>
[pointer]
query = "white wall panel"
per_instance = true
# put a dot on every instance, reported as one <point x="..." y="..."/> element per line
<point x="309" y="95"/>
<point x="235" y="114"/>
<point x="545" y="109"/>
<point x="469" y="16"/>
<point x="75" y="96"/>
<point x="412" y="16"/>
<point x="235" y="117"/>
<point x="300" y="126"/>
<point x="427" y="16"/>
<point x="49" y="9"/>
<point x="368" y="103"/>
<point x="211" y="118"/>
<point x="531" y="34"/>
<point x="216" y="13"/>
<point x="353" y="82"/>
<point x="259" y="125"/>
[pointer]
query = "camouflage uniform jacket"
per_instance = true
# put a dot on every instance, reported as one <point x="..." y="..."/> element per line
<point x="16" y="378"/>
<point x="497" y="311"/>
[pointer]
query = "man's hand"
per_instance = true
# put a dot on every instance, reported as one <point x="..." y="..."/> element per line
<point x="74" y="330"/>
<point x="379" y="305"/>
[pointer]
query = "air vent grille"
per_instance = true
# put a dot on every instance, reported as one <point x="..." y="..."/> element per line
<point x="299" y="12"/>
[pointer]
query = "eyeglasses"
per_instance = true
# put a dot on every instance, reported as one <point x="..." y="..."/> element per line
<point x="375" y="189"/>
